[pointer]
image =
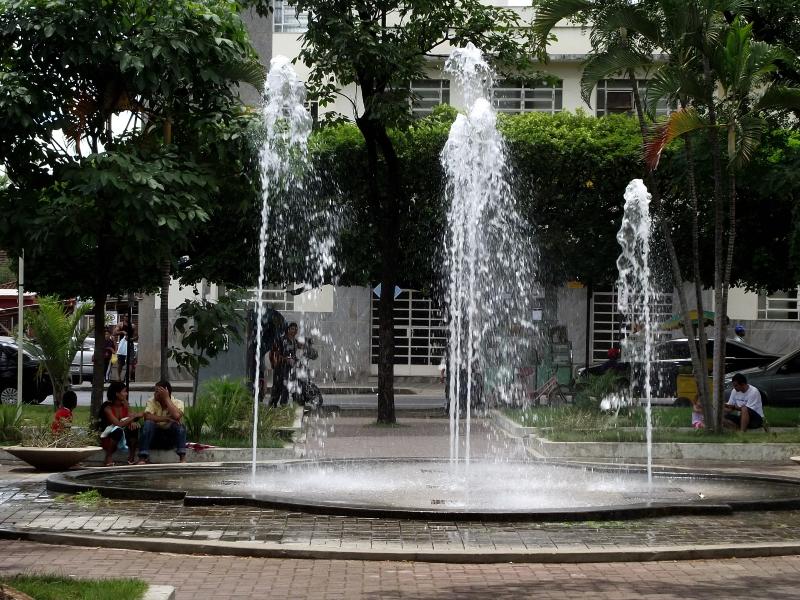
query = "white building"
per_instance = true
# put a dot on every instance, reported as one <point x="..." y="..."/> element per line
<point x="347" y="317"/>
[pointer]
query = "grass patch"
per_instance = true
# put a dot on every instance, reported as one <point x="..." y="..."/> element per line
<point x="52" y="587"/>
<point x="572" y="418"/>
<point x="672" y="435"/>
<point x="575" y="424"/>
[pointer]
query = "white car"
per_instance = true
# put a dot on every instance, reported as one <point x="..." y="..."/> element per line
<point x="82" y="365"/>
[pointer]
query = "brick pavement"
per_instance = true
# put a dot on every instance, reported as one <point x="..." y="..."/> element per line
<point x="221" y="577"/>
<point x="25" y="505"/>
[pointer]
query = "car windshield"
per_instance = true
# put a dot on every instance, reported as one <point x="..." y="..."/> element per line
<point x="782" y="359"/>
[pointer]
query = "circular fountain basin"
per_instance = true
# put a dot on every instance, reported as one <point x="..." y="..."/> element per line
<point x="440" y="489"/>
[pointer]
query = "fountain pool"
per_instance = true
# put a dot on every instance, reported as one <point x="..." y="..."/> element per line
<point x="443" y="489"/>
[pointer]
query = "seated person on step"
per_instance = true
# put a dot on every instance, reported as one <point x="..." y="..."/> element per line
<point x="162" y="424"/>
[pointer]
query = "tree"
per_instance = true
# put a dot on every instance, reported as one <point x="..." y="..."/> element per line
<point x="713" y="66"/>
<point x="206" y="328"/>
<point x="380" y="46"/>
<point x="57" y="339"/>
<point x="99" y="136"/>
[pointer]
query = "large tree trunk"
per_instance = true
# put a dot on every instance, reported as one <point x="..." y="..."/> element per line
<point x="701" y="376"/>
<point x="164" y="319"/>
<point x="98" y="372"/>
<point x="714" y="416"/>
<point x="385" y="203"/>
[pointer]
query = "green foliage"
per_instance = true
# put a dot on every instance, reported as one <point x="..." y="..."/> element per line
<point x="57" y="338"/>
<point x="89" y="499"/>
<point x="228" y="402"/>
<point x="194" y="419"/>
<point x="116" y="202"/>
<point x="10" y="422"/>
<point x="596" y="387"/>
<point x="52" y="587"/>
<point x="206" y="329"/>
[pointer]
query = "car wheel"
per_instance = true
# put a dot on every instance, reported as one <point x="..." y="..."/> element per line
<point x="8" y="394"/>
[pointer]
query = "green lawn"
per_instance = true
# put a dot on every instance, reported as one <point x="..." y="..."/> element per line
<point x="570" y="424"/>
<point x="49" y="587"/>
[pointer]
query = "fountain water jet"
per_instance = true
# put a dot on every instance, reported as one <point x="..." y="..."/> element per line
<point x="283" y="165"/>
<point x="491" y="278"/>
<point x="635" y="293"/>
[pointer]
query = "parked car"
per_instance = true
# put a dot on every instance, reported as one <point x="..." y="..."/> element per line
<point x="83" y="363"/>
<point x="778" y="382"/>
<point x="672" y="357"/>
<point x="36" y="386"/>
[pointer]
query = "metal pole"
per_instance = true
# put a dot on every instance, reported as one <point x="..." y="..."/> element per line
<point x="21" y="329"/>
<point x="129" y="339"/>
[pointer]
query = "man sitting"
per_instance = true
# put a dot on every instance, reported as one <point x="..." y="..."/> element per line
<point x="162" y="424"/>
<point x="747" y="400"/>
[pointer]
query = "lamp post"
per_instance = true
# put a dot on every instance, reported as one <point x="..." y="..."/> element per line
<point x="21" y="329"/>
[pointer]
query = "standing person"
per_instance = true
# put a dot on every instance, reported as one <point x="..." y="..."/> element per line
<point x="118" y="424"/>
<point x="122" y="355"/>
<point x="109" y="349"/>
<point x="747" y="400"/>
<point x="162" y="424"/>
<point x="288" y="344"/>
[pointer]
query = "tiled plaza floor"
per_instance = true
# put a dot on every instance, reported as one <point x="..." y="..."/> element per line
<point x="223" y="577"/>
<point x="26" y="506"/>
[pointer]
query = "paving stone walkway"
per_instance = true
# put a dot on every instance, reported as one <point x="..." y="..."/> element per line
<point x="224" y="577"/>
<point x="25" y="506"/>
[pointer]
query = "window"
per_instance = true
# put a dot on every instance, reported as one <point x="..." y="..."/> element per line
<point x="277" y="298"/>
<point x="615" y="96"/>
<point x="286" y="19"/>
<point x="780" y="306"/>
<point x="427" y="93"/>
<point x="516" y="96"/>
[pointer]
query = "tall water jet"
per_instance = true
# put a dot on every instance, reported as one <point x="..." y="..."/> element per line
<point x="283" y="166"/>
<point x="635" y="294"/>
<point x="490" y="279"/>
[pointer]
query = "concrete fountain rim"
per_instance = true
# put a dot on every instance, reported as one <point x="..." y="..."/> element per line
<point x="83" y="480"/>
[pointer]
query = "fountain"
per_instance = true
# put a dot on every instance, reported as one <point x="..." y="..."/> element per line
<point x="491" y="283"/>
<point x="635" y="294"/>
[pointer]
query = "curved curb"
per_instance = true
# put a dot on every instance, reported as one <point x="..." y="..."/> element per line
<point x="554" y="555"/>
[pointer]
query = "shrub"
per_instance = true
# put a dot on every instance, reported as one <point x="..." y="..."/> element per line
<point x="596" y="387"/>
<point x="194" y="419"/>
<point x="226" y="403"/>
<point x="10" y="420"/>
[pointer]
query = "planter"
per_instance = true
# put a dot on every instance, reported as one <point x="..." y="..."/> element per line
<point x="52" y="459"/>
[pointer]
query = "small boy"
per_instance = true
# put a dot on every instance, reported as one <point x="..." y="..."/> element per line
<point x="63" y="417"/>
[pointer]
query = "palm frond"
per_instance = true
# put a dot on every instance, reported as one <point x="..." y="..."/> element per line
<point x="633" y="19"/>
<point x="679" y="123"/>
<point x="615" y="60"/>
<point x="251" y="72"/>
<point x="550" y="12"/>
<point x="748" y="133"/>
<point x="779" y="97"/>
<point x="672" y="83"/>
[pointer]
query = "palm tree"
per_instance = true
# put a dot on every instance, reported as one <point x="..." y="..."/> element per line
<point x="57" y="338"/>
<point x="720" y="78"/>
<point x="739" y="69"/>
<point x="625" y="38"/>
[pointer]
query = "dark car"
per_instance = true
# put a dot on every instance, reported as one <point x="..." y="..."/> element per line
<point x="672" y="357"/>
<point x="778" y="382"/>
<point x="35" y="386"/>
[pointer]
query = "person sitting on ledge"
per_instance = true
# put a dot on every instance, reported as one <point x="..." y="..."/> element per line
<point x="747" y="400"/>
<point x="118" y="425"/>
<point x="162" y="424"/>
